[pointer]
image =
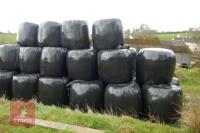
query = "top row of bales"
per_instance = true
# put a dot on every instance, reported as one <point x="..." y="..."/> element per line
<point x="72" y="34"/>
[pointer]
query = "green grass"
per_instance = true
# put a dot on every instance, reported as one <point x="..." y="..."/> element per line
<point x="108" y="123"/>
<point x="189" y="79"/>
<point x="7" y="38"/>
<point x="169" y="36"/>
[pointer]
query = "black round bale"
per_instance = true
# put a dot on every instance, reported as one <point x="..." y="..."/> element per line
<point x="53" y="91"/>
<point x="29" y="59"/>
<point x="49" y="34"/>
<point x="6" y="83"/>
<point x="107" y="34"/>
<point x="84" y="94"/>
<point x="155" y="65"/>
<point x="82" y="64"/>
<point x="74" y="34"/>
<point x="133" y="53"/>
<point x="163" y="102"/>
<point x="24" y="86"/>
<point x="123" y="99"/>
<point x="9" y="57"/>
<point x="27" y="34"/>
<point x="53" y="62"/>
<point x="115" y="66"/>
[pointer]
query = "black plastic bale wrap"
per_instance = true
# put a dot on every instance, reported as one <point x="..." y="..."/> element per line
<point x="29" y="59"/>
<point x="24" y="86"/>
<point x="5" y="83"/>
<point x="115" y="66"/>
<point x="82" y="64"/>
<point x="163" y="102"/>
<point x="84" y="94"/>
<point x="74" y="35"/>
<point x="133" y="52"/>
<point x="9" y="57"/>
<point x="107" y="34"/>
<point x="123" y="99"/>
<point x="27" y="34"/>
<point x="155" y="66"/>
<point x="175" y="81"/>
<point x="53" y="62"/>
<point x="49" y="34"/>
<point x="53" y="91"/>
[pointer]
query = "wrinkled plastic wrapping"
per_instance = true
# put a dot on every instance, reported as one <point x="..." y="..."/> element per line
<point x="155" y="65"/>
<point x="49" y="34"/>
<point x="114" y="66"/>
<point x="163" y="102"/>
<point x="175" y="81"/>
<point x="123" y="99"/>
<point x="133" y="52"/>
<point x="27" y="34"/>
<point x="53" y="62"/>
<point x="84" y="94"/>
<point x="29" y="59"/>
<point x="9" y="57"/>
<point x="107" y="34"/>
<point x="82" y="64"/>
<point x="53" y="91"/>
<point x="133" y="60"/>
<point x="24" y="86"/>
<point x="74" y="35"/>
<point x="5" y="83"/>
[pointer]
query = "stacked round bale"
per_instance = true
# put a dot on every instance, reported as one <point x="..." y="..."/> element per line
<point x="161" y="93"/>
<point x="9" y="66"/>
<point x="52" y="83"/>
<point x="24" y="85"/>
<point x="116" y="68"/>
<point x="85" y="90"/>
<point x="57" y="64"/>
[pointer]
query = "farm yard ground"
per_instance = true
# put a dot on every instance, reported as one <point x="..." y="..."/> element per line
<point x="190" y="83"/>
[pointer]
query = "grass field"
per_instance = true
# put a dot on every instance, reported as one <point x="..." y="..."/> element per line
<point x="190" y="82"/>
<point x="170" y="36"/>
<point x="11" y="38"/>
<point x="7" y="38"/>
<point x="189" y="79"/>
<point x="108" y="123"/>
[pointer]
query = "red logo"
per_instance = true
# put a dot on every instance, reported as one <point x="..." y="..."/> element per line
<point x="22" y="113"/>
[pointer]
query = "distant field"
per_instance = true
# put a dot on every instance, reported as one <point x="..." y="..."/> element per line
<point x="11" y="38"/>
<point x="7" y="38"/>
<point x="170" y="36"/>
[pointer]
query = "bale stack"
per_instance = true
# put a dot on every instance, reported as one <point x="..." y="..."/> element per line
<point x="24" y="85"/>
<point x="9" y="66"/>
<point x="52" y="83"/>
<point x="161" y="95"/>
<point x="56" y="64"/>
<point x="85" y="90"/>
<point x="116" y="68"/>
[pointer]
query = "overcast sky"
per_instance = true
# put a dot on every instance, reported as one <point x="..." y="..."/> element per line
<point x="162" y="15"/>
